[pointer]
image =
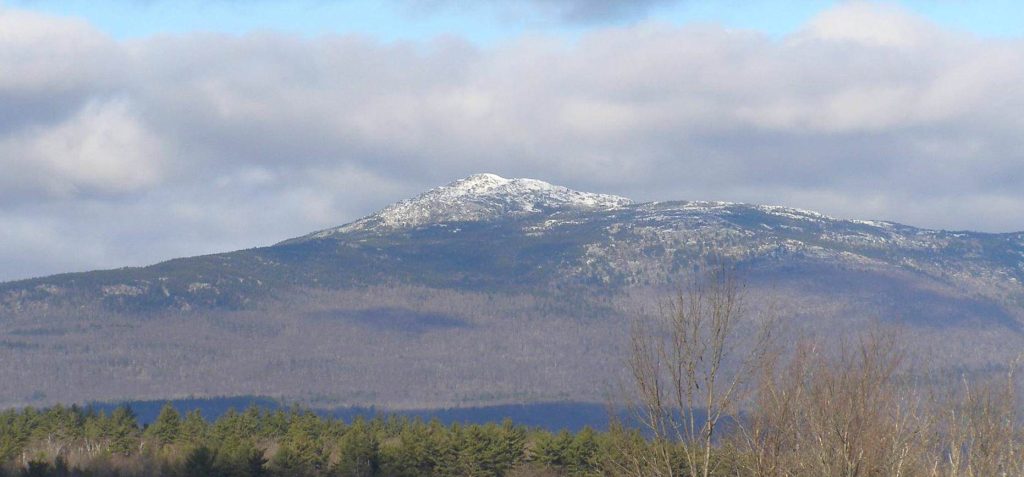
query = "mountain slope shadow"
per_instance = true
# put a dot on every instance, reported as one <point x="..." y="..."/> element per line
<point x="393" y="319"/>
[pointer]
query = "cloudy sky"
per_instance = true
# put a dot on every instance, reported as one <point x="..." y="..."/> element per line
<point x="134" y="131"/>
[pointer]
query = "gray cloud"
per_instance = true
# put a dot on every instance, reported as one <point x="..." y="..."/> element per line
<point x="121" y="153"/>
<point x="588" y="11"/>
<point x="568" y="11"/>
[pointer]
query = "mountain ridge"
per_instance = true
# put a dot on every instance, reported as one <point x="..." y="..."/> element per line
<point x="584" y="228"/>
<point x="410" y="213"/>
<point x="524" y="296"/>
<point x="391" y="217"/>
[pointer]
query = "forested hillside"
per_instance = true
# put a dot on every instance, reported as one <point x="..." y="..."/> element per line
<point x="489" y="291"/>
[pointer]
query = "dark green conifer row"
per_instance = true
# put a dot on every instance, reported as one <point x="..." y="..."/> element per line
<point x="65" y="441"/>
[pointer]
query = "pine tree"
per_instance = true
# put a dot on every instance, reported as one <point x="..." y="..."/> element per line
<point x="239" y="458"/>
<point x="448" y="445"/>
<point x="194" y="429"/>
<point x="167" y="427"/>
<point x="200" y="463"/>
<point x="510" y="446"/>
<point x="553" y="450"/>
<point x="412" y="454"/>
<point x="301" y="452"/>
<point x="226" y="427"/>
<point x="95" y="431"/>
<point x="287" y="463"/>
<point x="274" y="425"/>
<point x="122" y="430"/>
<point x="249" y="422"/>
<point x="256" y="463"/>
<point x="582" y="456"/>
<point x="13" y="435"/>
<point x="358" y="452"/>
<point x="477" y="450"/>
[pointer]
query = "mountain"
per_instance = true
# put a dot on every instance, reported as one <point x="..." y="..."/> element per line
<point x="479" y="197"/>
<point x="490" y="291"/>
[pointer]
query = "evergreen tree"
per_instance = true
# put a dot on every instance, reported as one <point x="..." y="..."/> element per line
<point x="167" y="427"/>
<point x="95" y="431"/>
<point x="510" y="448"/>
<point x="200" y="463"/>
<point x="256" y="463"/>
<point x="239" y="458"/>
<point x="287" y="463"/>
<point x="59" y="424"/>
<point x="13" y="435"/>
<point x="448" y="446"/>
<point x="476" y="452"/>
<point x="358" y="452"/>
<point x="413" y="453"/>
<point x="301" y="452"/>
<point x="250" y="422"/>
<point x="194" y="429"/>
<point x="122" y="430"/>
<point x="274" y="425"/>
<point x="582" y="456"/>
<point x="226" y="427"/>
<point x="553" y="450"/>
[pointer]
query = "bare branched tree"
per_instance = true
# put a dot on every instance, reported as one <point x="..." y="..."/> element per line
<point x="982" y="433"/>
<point x="844" y="412"/>
<point x="690" y="369"/>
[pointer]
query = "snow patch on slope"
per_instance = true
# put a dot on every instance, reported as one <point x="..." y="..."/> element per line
<point x="479" y="197"/>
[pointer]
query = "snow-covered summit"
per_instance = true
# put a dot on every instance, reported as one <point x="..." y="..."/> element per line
<point x="480" y="197"/>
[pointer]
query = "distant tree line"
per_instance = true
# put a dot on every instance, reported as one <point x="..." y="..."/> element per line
<point x="808" y="414"/>
<point x="72" y="441"/>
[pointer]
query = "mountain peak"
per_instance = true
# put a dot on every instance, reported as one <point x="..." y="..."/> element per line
<point x="481" y="178"/>
<point x="479" y="197"/>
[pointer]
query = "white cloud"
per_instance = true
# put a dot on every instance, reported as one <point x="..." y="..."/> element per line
<point x="103" y="149"/>
<point x="872" y="24"/>
<point x="234" y="141"/>
<point x="44" y="53"/>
